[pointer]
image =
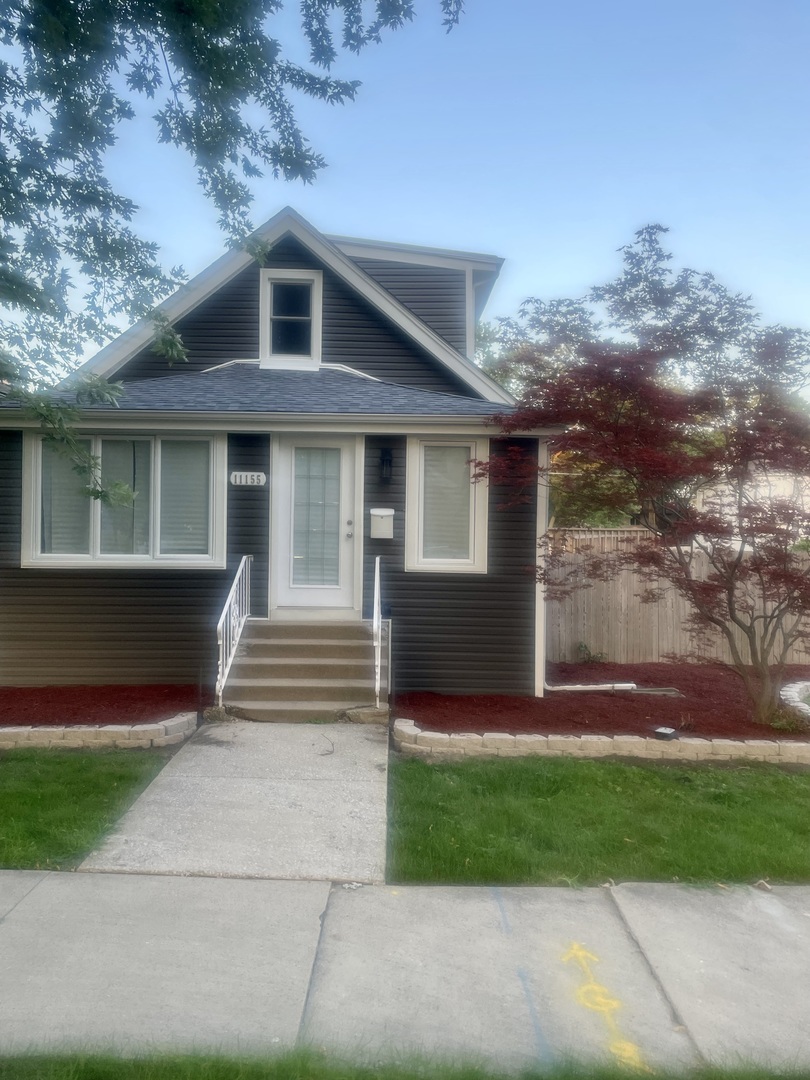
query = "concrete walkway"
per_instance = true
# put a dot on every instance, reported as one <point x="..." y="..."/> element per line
<point x="296" y="801"/>
<point x="184" y="943"/>
<point x="651" y="975"/>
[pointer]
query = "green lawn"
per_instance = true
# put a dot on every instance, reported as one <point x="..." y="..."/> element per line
<point x="536" y="821"/>
<point x="55" y="805"/>
<point x="305" y="1065"/>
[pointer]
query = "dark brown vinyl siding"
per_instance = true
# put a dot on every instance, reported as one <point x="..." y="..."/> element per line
<point x="10" y="501"/>
<point x="119" y="626"/>
<point x="226" y="327"/>
<point x="455" y="633"/>
<point x="436" y="294"/>
<point x="249" y="515"/>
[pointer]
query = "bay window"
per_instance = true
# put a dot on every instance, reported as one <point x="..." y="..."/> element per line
<point x="167" y="503"/>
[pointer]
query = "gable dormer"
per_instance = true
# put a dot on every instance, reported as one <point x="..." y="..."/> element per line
<point x="309" y="303"/>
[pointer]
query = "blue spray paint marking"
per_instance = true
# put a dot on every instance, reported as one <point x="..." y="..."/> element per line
<point x="505" y="925"/>
<point x="544" y="1052"/>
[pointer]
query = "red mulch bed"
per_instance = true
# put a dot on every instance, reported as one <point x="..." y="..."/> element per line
<point x="36" y="705"/>
<point x="714" y="705"/>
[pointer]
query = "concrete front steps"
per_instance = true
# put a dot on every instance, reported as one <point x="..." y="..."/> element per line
<point x="301" y="672"/>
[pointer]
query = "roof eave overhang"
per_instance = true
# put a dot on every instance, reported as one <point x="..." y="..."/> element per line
<point x="359" y="248"/>
<point x="371" y="423"/>
<point x="111" y="358"/>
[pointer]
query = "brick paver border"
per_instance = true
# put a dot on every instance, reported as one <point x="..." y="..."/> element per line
<point x="122" y="736"/>
<point x="414" y="741"/>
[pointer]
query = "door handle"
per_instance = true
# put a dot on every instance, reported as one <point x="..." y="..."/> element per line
<point x="349" y="536"/>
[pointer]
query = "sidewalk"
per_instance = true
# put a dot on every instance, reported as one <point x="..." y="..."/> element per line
<point x="297" y="801"/>
<point x="653" y="975"/>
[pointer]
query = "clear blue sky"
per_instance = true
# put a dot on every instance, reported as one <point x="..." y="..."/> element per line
<point x="547" y="133"/>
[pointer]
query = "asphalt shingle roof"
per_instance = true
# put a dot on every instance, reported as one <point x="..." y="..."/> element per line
<point x="247" y="388"/>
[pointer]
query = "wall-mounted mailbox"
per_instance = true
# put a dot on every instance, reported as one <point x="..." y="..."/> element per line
<point x="382" y="523"/>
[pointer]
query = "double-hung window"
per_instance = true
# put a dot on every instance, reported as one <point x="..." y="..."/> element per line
<point x="290" y="323"/>
<point x="164" y="505"/>
<point x="446" y="511"/>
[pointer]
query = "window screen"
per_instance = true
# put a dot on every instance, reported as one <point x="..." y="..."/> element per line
<point x="66" y="506"/>
<point x="125" y="528"/>
<point x="446" y="502"/>
<point x="184" y="496"/>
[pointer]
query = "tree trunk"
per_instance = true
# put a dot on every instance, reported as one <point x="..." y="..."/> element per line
<point x="767" y="700"/>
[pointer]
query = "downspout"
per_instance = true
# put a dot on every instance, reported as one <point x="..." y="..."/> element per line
<point x="582" y="687"/>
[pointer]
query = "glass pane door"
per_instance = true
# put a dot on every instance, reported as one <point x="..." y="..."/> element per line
<point x="316" y="516"/>
<point x="312" y="550"/>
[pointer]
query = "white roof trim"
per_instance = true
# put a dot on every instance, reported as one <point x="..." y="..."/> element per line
<point x="113" y="357"/>
<point x="205" y="423"/>
<point x="412" y="253"/>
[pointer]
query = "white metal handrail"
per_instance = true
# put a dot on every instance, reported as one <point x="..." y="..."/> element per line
<point x="376" y="630"/>
<point x="232" y="622"/>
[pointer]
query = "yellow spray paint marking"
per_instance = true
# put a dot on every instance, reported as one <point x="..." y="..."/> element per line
<point x="592" y="995"/>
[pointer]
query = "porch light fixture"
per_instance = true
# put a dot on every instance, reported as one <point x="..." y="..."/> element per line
<point x="386" y="466"/>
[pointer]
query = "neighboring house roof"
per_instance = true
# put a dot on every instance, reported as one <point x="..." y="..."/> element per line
<point x="244" y="387"/>
<point x="113" y="357"/>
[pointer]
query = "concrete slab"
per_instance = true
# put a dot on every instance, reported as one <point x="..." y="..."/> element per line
<point x="130" y="963"/>
<point x="286" y="801"/>
<point x="735" y="963"/>
<point x="514" y="976"/>
<point x="15" y="886"/>
<point x="284" y="752"/>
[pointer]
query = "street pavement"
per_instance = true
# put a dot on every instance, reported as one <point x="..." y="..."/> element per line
<point x="239" y="908"/>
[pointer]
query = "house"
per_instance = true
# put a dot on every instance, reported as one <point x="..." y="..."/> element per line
<point x="325" y="383"/>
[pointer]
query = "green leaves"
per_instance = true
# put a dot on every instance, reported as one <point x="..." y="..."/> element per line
<point x="167" y="342"/>
<point x="71" y="267"/>
<point x="704" y="334"/>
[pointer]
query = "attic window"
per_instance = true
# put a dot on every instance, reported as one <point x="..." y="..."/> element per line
<point x="290" y="324"/>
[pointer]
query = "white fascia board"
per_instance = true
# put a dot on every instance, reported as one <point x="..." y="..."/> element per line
<point x="122" y="349"/>
<point x="414" y="255"/>
<point x="469" y="312"/>
<point x="107" y="362"/>
<point x="205" y="423"/>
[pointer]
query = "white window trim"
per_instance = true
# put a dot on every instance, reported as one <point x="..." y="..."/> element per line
<point x="479" y="510"/>
<point x="32" y="555"/>
<point x="281" y="360"/>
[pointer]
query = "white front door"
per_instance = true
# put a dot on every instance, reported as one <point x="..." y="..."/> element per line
<point x="313" y="550"/>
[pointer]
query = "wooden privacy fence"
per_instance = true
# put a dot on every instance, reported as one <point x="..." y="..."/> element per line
<point x="609" y="618"/>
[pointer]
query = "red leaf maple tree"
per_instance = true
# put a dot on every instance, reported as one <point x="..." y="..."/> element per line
<point x="718" y="476"/>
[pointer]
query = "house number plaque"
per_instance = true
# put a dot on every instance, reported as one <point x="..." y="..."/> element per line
<point x="248" y="479"/>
